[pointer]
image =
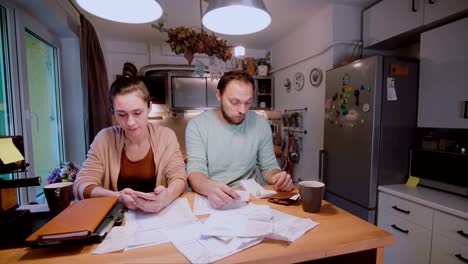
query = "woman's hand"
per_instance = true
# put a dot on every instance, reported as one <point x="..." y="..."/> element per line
<point x="125" y="197"/>
<point x="152" y="202"/>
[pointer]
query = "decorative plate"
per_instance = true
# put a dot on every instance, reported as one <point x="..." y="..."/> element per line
<point x="298" y="82"/>
<point x="287" y="84"/>
<point x="315" y="77"/>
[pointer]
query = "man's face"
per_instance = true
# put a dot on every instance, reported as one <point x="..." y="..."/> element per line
<point x="235" y="101"/>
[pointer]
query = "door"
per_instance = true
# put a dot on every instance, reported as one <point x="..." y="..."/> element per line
<point x="390" y="18"/>
<point x="352" y="116"/>
<point x="40" y="99"/>
<point x="435" y="10"/>
<point x="442" y="80"/>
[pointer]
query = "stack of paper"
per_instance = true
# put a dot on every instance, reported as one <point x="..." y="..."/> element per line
<point x="227" y="232"/>
<point x="223" y="233"/>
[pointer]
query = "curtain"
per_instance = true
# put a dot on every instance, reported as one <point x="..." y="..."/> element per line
<point x="96" y="86"/>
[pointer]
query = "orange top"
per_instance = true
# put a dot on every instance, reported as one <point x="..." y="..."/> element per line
<point x="137" y="175"/>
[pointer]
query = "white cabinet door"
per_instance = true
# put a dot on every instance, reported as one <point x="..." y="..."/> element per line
<point x="438" y="9"/>
<point x="412" y="242"/>
<point x="390" y="18"/>
<point x="448" y="250"/>
<point x="443" y="85"/>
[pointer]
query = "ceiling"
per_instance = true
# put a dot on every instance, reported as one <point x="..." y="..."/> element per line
<point x="286" y="15"/>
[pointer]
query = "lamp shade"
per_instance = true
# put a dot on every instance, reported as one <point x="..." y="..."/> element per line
<point x="236" y="17"/>
<point x="124" y="11"/>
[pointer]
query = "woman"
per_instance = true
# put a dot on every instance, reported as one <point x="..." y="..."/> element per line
<point x="137" y="161"/>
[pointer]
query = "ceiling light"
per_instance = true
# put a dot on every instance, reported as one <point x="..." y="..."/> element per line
<point x="124" y="11"/>
<point x="236" y="17"/>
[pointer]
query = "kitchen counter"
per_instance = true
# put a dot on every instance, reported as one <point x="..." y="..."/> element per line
<point x="443" y="201"/>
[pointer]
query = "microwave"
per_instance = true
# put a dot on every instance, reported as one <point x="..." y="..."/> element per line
<point x="442" y="170"/>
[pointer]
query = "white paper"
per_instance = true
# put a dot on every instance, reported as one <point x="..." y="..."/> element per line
<point x="144" y="238"/>
<point x="177" y="212"/>
<point x="202" y="205"/>
<point x="145" y="228"/>
<point x="391" y="92"/>
<point x="256" y="189"/>
<point x="187" y="239"/>
<point x="246" y="222"/>
<point x="289" y="227"/>
<point x="116" y="240"/>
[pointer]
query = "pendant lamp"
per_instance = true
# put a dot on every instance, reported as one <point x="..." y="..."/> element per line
<point x="236" y="17"/>
<point x="124" y="11"/>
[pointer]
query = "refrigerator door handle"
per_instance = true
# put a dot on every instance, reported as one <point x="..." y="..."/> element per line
<point x="321" y="166"/>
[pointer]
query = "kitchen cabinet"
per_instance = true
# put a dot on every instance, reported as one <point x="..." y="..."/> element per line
<point x="429" y="226"/>
<point x="399" y="20"/>
<point x="411" y="224"/>
<point x="264" y="98"/>
<point x="442" y="81"/>
<point x="435" y="10"/>
<point x="390" y="18"/>
<point x="450" y="239"/>
<point x="189" y="92"/>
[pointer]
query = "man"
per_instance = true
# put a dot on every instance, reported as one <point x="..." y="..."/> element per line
<point x="225" y="145"/>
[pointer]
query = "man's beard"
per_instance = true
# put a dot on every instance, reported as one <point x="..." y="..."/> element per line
<point x="228" y="118"/>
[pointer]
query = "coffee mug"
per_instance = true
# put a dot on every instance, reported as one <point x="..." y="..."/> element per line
<point x="58" y="195"/>
<point x="262" y="105"/>
<point x="311" y="194"/>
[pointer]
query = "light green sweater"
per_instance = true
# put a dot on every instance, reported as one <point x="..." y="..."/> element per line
<point x="229" y="153"/>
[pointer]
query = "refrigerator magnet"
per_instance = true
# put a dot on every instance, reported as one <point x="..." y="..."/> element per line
<point x="366" y="108"/>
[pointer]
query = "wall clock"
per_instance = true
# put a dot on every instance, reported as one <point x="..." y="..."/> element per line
<point x="315" y="77"/>
<point x="298" y="81"/>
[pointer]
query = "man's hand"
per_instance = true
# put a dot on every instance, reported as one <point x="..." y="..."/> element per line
<point x="152" y="202"/>
<point x="125" y="197"/>
<point x="282" y="181"/>
<point x="219" y="194"/>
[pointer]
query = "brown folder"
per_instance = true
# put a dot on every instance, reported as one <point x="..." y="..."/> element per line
<point x="78" y="221"/>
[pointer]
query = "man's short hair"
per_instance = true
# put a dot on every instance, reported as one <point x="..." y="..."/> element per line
<point x="237" y="75"/>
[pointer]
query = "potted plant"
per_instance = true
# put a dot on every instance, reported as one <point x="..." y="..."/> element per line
<point x="66" y="172"/>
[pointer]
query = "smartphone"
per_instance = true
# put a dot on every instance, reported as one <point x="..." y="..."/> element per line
<point x="284" y="200"/>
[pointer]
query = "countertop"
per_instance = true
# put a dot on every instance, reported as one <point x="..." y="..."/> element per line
<point x="446" y="202"/>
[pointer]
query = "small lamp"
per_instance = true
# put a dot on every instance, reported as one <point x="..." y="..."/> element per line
<point x="157" y="111"/>
<point x="236" y="17"/>
<point x="239" y="51"/>
<point x="124" y="11"/>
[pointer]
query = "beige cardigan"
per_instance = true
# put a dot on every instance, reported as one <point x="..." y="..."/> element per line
<point x="102" y="165"/>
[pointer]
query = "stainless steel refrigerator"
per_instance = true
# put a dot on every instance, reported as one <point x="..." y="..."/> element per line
<point x="370" y="125"/>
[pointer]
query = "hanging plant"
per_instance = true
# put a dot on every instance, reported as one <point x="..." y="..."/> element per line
<point x="188" y="41"/>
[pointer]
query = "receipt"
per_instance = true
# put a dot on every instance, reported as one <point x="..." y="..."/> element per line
<point x="116" y="240"/>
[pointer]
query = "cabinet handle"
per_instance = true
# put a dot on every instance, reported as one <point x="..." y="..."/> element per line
<point x="463" y="234"/>
<point x="413" y="6"/>
<point x="460" y="257"/>
<point x="401" y="230"/>
<point x="400" y="210"/>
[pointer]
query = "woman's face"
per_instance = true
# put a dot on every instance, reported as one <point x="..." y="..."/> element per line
<point x="131" y="111"/>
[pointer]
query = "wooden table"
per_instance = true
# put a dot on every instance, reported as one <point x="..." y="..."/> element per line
<point x="340" y="238"/>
